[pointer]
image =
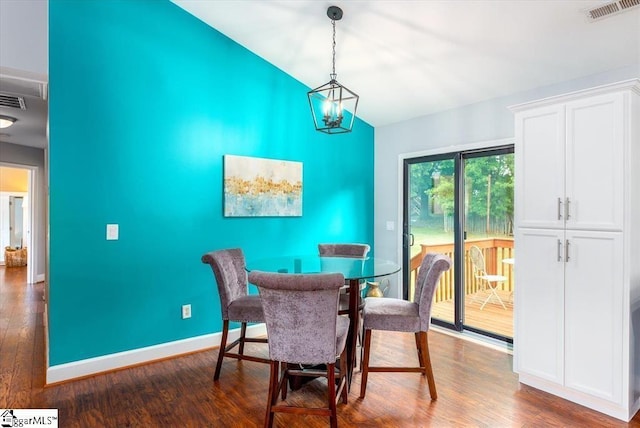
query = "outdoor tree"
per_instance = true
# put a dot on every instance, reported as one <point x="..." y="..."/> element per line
<point x="422" y="178"/>
<point x="488" y="186"/>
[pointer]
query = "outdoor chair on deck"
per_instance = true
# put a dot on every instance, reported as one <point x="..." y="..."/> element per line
<point x="304" y="330"/>
<point x="390" y="314"/>
<point x="488" y="282"/>
<point x="235" y="303"/>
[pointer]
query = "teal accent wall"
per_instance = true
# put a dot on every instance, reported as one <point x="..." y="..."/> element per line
<point x="145" y="100"/>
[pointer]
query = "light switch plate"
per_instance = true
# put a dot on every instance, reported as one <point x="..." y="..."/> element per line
<point x="112" y="232"/>
<point x="391" y="225"/>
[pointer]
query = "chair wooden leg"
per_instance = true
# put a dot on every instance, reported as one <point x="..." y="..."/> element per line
<point x="243" y="333"/>
<point x="285" y="380"/>
<point x="223" y="345"/>
<point x="365" y="363"/>
<point x="273" y="393"/>
<point x="420" y="357"/>
<point x="361" y="333"/>
<point x="343" y="375"/>
<point x="331" y="394"/>
<point x="424" y="345"/>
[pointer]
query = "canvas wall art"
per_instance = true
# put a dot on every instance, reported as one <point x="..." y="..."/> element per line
<point x="258" y="187"/>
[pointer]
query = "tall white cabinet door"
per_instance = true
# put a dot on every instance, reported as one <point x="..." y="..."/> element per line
<point x="593" y="317"/>
<point x="539" y="169"/>
<point x="539" y="301"/>
<point x="595" y="163"/>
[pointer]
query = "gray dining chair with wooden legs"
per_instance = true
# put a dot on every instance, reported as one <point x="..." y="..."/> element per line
<point x="356" y="251"/>
<point x="343" y="250"/>
<point x="390" y="314"/>
<point x="236" y="304"/>
<point x="305" y="335"/>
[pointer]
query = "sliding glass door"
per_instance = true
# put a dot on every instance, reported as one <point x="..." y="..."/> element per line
<point x="429" y="201"/>
<point x="461" y="204"/>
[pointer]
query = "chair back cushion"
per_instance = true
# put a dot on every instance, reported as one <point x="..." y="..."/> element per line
<point x="343" y="250"/>
<point x="231" y="276"/>
<point x="301" y="312"/>
<point x="422" y="275"/>
<point x="431" y="268"/>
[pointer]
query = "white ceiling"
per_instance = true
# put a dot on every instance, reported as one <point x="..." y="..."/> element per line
<point x="412" y="58"/>
<point x="404" y="58"/>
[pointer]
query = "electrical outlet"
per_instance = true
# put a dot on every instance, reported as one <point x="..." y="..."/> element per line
<point x="186" y="311"/>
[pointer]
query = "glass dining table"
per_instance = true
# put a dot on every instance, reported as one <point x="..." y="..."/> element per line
<point x="354" y="269"/>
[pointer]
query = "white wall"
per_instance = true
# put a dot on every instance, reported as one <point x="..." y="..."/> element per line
<point x="28" y="22"/>
<point x="485" y="121"/>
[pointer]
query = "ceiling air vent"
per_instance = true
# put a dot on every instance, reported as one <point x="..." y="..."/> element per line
<point x="12" y="101"/>
<point x="612" y="8"/>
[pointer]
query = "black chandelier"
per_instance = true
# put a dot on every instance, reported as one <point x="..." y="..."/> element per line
<point x="333" y="106"/>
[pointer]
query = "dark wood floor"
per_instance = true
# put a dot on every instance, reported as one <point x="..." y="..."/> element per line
<point x="476" y="387"/>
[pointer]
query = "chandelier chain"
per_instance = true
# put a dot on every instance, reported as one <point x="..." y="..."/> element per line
<point x="333" y="75"/>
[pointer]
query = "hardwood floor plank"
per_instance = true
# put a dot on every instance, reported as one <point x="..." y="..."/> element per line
<point x="476" y="386"/>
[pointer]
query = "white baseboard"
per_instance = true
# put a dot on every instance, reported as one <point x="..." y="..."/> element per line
<point x="106" y="363"/>
<point x="45" y="322"/>
<point x="595" y="403"/>
<point x="40" y="277"/>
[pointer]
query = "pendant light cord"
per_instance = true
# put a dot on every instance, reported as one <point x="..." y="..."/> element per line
<point x="333" y="74"/>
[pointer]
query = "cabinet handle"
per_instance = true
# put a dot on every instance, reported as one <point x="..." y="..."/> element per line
<point x="559" y="250"/>
<point x="566" y="251"/>
<point x="559" y="208"/>
<point x="567" y="211"/>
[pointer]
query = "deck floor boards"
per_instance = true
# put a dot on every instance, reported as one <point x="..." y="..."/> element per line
<point x="493" y="317"/>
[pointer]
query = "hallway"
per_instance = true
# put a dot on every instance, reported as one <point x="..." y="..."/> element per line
<point x="22" y="367"/>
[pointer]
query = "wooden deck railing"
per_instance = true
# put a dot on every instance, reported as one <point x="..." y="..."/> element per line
<point x="494" y="249"/>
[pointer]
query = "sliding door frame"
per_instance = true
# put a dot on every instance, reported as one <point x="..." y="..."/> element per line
<point x="458" y="154"/>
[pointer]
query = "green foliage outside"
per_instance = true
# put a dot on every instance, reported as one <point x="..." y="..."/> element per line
<point x="432" y="199"/>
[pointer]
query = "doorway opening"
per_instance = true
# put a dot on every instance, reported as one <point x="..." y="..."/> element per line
<point x="17" y="218"/>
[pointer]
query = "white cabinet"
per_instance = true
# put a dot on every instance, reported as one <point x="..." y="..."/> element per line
<point x="579" y="147"/>
<point x="539" y="335"/>
<point x="577" y="201"/>
<point x="593" y="302"/>
<point x="543" y="129"/>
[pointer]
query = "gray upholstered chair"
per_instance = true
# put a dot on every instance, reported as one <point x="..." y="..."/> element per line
<point x="344" y="250"/>
<point x="304" y="329"/>
<point x="347" y="250"/>
<point x="382" y="313"/>
<point x="235" y="303"/>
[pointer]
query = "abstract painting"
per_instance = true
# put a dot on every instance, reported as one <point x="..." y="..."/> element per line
<point x="258" y="187"/>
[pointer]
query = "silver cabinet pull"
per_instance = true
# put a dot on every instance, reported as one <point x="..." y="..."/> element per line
<point x="566" y="251"/>
<point x="559" y="250"/>
<point x="567" y="211"/>
<point x="559" y="208"/>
